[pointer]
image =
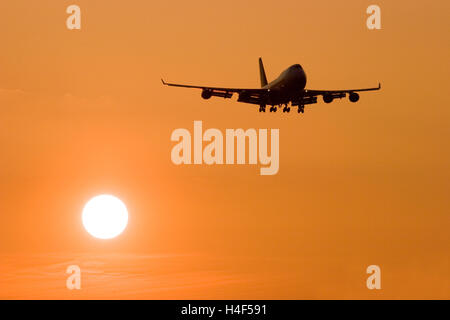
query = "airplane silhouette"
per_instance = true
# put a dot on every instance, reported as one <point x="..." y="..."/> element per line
<point x="289" y="87"/>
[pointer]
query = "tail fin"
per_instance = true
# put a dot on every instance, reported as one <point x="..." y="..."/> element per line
<point x="262" y="73"/>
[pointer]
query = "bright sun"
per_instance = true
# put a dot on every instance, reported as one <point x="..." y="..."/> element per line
<point x="105" y="216"/>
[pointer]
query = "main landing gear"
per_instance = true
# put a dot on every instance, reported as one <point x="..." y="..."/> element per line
<point x="262" y="108"/>
<point x="285" y="109"/>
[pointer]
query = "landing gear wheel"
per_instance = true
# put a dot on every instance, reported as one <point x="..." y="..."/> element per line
<point x="262" y="108"/>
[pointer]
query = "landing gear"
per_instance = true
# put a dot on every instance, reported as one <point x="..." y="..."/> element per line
<point x="273" y="109"/>
<point x="262" y="108"/>
<point x="301" y="109"/>
<point x="286" y="109"/>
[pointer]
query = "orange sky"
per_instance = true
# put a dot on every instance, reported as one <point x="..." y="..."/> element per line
<point x="84" y="113"/>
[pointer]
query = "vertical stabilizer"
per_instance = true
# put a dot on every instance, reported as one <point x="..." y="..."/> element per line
<point x="262" y="73"/>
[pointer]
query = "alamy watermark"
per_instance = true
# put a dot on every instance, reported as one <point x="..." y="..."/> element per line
<point x="213" y="153"/>
<point x="74" y="280"/>
<point x="374" y="20"/>
<point x="374" y="280"/>
<point x="74" y="20"/>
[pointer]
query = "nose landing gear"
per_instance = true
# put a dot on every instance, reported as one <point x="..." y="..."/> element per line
<point x="286" y="109"/>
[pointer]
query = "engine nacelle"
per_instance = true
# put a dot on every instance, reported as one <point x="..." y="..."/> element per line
<point x="327" y="98"/>
<point x="353" y="97"/>
<point x="206" y="94"/>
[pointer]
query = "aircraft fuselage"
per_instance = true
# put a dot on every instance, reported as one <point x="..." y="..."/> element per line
<point x="288" y="86"/>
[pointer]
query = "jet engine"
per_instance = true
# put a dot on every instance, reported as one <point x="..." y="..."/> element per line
<point x="353" y="97"/>
<point x="327" y="98"/>
<point x="206" y="94"/>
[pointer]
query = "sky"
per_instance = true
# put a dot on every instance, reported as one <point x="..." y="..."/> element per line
<point x="83" y="112"/>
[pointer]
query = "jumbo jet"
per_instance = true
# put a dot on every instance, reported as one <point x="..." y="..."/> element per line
<point x="288" y="88"/>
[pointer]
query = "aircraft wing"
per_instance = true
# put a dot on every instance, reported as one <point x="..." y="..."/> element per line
<point x="255" y="96"/>
<point x="313" y="93"/>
